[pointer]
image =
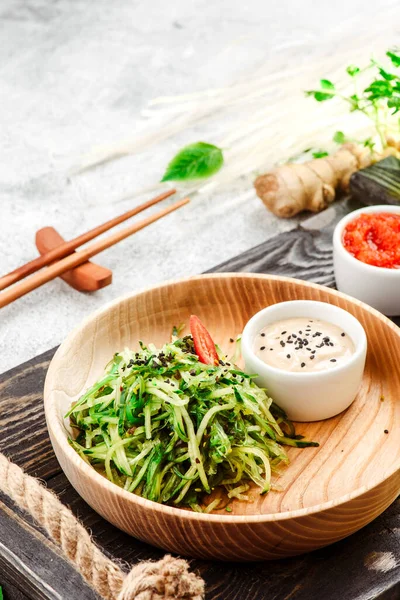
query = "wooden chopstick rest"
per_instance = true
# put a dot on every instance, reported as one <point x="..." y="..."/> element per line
<point x="88" y="277"/>
<point x="79" y="258"/>
<point x="63" y="250"/>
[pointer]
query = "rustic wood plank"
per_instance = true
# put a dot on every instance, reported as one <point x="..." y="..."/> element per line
<point x="10" y="592"/>
<point x="306" y="577"/>
<point x="354" y="569"/>
<point x="23" y="437"/>
<point x="32" y="563"/>
<point x="304" y="252"/>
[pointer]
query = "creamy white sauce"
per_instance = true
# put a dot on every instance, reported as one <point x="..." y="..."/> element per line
<point x="303" y="344"/>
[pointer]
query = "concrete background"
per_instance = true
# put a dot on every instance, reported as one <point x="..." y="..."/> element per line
<point x="77" y="73"/>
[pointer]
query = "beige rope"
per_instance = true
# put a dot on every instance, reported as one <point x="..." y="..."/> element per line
<point x="167" y="578"/>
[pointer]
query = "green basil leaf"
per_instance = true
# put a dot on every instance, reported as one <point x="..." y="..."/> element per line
<point x="394" y="58"/>
<point x="326" y="84"/>
<point x="352" y="70"/>
<point x="195" y="161"/>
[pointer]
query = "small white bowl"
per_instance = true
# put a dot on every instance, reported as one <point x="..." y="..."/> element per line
<point x="308" y="396"/>
<point x="377" y="286"/>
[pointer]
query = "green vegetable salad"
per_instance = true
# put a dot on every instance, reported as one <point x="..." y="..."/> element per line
<point x="170" y="428"/>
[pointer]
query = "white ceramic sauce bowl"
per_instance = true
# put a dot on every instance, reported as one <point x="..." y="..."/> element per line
<point x="377" y="286"/>
<point x="310" y="396"/>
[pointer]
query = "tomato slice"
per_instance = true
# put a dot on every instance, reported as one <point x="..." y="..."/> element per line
<point x="203" y="342"/>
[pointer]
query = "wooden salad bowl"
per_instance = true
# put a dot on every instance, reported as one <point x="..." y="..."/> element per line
<point x="327" y="493"/>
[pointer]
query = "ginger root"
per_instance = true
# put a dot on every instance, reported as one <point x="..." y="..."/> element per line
<point x="292" y="188"/>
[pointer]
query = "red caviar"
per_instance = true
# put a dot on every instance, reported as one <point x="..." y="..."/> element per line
<point x="374" y="238"/>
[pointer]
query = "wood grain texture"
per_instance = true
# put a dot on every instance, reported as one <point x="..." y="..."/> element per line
<point x="10" y="591"/>
<point x="337" y="571"/>
<point x="304" y="252"/>
<point x="328" y="492"/>
<point x="27" y="557"/>
<point x="308" y="577"/>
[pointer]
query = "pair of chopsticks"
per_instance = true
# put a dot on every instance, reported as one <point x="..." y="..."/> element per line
<point x="63" y="258"/>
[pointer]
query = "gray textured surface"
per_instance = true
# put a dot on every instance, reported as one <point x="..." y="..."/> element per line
<point x="78" y="73"/>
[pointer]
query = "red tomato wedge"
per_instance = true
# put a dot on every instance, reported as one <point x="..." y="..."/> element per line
<point x="203" y="342"/>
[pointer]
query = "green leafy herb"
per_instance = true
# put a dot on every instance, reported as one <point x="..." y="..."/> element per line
<point x="352" y="70"/>
<point x="320" y="96"/>
<point x="307" y="154"/>
<point x="339" y="137"/>
<point x="326" y="84"/>
<point x="394" y="57"/>
<point x="377" y="101"/>
<point x="1" y="593"/>
<point x="320" y="154"/>
<point x="195" y="161"/>
<point x="369" y="143"/>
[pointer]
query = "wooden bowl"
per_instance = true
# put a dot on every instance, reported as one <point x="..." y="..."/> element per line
<point x="328" y="492"/>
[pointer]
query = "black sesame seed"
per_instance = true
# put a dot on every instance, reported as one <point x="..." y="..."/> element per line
<point x="312" y="357"/>
<point x="303" y="364"/>
<point x="231" y="340"/>
<point x="288" y="356"/>
<point x="263" y="335"/>
<point x="282" y="344"/>
<point x="294" y="335"/>
<point x="342" y="334"/>
<point x="262" y="348"/>
<point x="289" y="342"/>
<point x="271" y="349"/>
<point x="333" y="359"/>
<point x="386" y="431"/>
<point x="300" y="331"/>
<point x="283" y="332"/>
<point x="313" y="352"/>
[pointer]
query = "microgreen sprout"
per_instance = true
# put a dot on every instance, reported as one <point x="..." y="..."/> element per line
<point x="379" y="101"/>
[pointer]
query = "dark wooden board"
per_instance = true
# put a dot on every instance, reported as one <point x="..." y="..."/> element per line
<point x="361" y="567"/>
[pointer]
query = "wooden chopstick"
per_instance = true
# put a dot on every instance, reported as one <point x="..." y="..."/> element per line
<point x="68" y="247"/>
<point x="73" y="260"/>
